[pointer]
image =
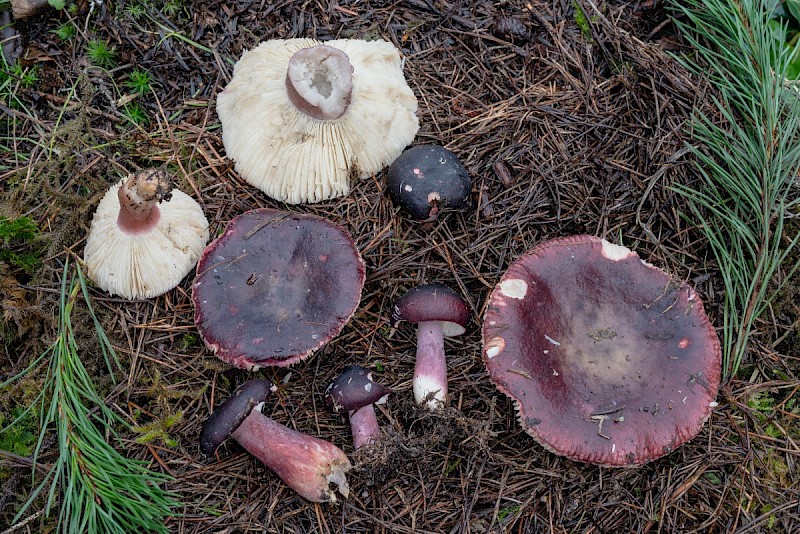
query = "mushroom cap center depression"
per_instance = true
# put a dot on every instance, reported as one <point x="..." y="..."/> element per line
<point x="275" y="287"/>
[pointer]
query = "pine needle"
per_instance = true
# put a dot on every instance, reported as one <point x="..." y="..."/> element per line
<point x="95" y="488"/>
<point x="748" y="161"/>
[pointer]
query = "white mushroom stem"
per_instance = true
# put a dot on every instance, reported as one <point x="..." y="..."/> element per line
<point x="138" y="199"/>
<point x="319" y="82"/>
<point x="306" y="464"/>
<point x="430" y="371"/>
<point x="364" y="426"/>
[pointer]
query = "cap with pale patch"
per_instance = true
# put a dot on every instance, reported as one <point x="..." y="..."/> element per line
<point x="301" y="134"/>
<point x="354" y="388"/>
<point x="143" y="258"/>
<point x="609" y="359"/>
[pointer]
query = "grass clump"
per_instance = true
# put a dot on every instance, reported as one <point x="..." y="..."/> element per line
<point x="93" y="487"/>
<point x="101" y="54"/>
<point x="135" y="114"/>
<point x="66" y="31"/>
<point x="20" y="240"/>
<point x="139" y="81"/>
<point x="747" y="150"/>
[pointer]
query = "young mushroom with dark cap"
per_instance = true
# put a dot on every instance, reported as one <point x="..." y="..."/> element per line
<point x="301" y="118"/>
<point x="306" y="464"/>
<point x="439" y="312"/>
<point x="354" y="391"/>
<point x="145" y="236"/>
<point x="426" y="178"/>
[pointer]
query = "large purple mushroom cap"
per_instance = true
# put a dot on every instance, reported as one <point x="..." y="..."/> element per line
<point x="275" y="287"/>
<point x="610" y="360"/>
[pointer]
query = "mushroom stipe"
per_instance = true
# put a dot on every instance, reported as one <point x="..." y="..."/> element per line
<point x="307" y="464"/>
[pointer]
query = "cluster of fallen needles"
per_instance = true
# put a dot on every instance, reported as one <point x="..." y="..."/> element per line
<point x="95" y="487"/>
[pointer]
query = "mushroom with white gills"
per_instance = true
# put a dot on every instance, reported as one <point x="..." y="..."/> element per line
<point x="438" y="312"/>
<point x="427" y="178"/>
<point x="306" y="464"/>
<point x="145" y="236"/>
<point x="301" y="118"/>
<point x="355" y="392"/>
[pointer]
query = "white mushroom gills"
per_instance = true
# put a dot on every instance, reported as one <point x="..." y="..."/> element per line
<point x="137" y="249"/>
<point x="296" y="158"/>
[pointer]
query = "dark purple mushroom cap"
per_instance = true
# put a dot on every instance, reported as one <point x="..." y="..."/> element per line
<point x="433" y="302"/>
<point x="610" y="360"/>
<point x="230" y="414"/>
<point x="428" y="175"/>
<point x="353" y="389"/>
<point x="275" y="287"/>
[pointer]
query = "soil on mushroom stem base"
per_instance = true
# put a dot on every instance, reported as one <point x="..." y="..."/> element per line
<point x="587" y="115"/>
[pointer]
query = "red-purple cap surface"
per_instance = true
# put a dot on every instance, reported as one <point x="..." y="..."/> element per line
<point x="275" y="287"/>
<point x="609" y="359"/>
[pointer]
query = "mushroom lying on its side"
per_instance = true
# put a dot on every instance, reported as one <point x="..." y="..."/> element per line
<point x="305" y="463"/>
<point x="145" y="236"/>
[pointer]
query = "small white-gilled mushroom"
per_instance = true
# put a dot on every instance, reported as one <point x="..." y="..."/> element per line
<point x="300" y="118"/>
<point x="438" y="312"/>
<point x="145" y="236"/>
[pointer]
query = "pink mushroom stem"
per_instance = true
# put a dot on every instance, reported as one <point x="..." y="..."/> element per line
<point x="430" y="372"/>
<point x="138" y="199"/>
<point x="364" y="426"/>
<point x="305" y="463"/>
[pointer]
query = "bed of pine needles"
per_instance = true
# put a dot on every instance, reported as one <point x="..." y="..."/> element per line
<point x="570" y="120"/>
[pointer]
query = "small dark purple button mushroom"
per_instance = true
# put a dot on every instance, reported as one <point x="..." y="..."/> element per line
<point x="438" y="311"/>
<point x="427" y="178"/>
<point x="305" y="463"/>
<point x="355" y="392"/>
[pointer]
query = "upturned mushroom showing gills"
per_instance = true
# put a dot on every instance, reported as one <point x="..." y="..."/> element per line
<point x="609" y="359"/>
<point x="438" y="312"/>
<point x="307" y="464"/>
<point x="354" y="392"/>
<point x="300" y="118"/>
<point x="427" y="178"/>
<point x="275" y="287"/>
<point x="145" y="236"/>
